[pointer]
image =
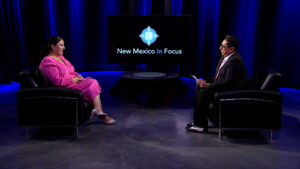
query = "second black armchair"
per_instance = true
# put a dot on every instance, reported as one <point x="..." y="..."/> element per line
<point x="253" y="109"/>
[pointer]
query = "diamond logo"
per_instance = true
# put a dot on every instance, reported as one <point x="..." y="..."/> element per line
<point x="148" y="35"/>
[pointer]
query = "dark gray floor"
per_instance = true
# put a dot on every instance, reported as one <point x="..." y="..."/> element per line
<point x="145" y="138"/>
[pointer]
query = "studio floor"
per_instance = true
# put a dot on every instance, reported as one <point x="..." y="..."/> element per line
<point x="152" y="137"/>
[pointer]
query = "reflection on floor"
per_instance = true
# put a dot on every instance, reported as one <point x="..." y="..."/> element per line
<point x="145" y="137"/>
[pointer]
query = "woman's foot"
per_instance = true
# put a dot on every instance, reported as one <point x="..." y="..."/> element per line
<point x="107" y="120"/>
<point x="96" y="113"/>
<point x="103" y="117"/>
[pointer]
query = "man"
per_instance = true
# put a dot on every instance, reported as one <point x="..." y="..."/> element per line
<point x="230" y="75"/>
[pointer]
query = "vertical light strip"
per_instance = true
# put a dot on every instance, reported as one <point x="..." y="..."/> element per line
<point x="111" y="7"/>
<point x="50" y="18"/>
<point x="77" y="33"/>
<point x="176" y="7"/>
<point x="246" y="32"/>
<point x="215" y="8"/>
<point x="9" y="61"/>
<point x="19" y="31"/>
<point x="207" y="35"/>
<point x="286" y="46"/>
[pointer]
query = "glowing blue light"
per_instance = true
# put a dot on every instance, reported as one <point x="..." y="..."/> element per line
<point x="148" y="35"/>
<point x="6" y="88"/>
<point x="290" y="90"/>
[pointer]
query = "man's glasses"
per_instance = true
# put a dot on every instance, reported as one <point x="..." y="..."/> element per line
<point x="222" y="46"/>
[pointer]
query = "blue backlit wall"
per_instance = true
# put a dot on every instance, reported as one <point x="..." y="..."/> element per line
<point x="112" y="7"/>
<point x="143" y="7"/>
<point x="287" y="37"/>
<point x="268" y="32"/>
<point x="12" y="50"/>
<point x="50" y="18"/>
<point x="245" y="30"/>
<point x="207" y="35"/>
<point x="78" y="32"/>
<point x="176" y="7"/>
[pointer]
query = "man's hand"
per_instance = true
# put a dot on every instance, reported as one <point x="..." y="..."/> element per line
<point x="202" y="83"/>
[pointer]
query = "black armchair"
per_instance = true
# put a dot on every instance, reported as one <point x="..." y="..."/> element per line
<point x="253" y="109"/>
<point x="41" y="104"/>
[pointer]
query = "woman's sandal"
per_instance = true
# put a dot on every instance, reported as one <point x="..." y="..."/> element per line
<point x="108" y="120"/>
<point x="102" y="116"/>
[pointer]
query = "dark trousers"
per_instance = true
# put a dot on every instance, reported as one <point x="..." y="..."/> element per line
<point x="201" y="106"/>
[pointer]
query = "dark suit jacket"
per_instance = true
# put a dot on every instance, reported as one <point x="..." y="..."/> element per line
<point x="232" y="75"/>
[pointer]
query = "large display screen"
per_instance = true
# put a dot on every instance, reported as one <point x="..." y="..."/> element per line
<point x="149" y="39"/>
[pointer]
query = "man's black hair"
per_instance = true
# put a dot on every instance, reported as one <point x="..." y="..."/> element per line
<point x="232" y="41"/>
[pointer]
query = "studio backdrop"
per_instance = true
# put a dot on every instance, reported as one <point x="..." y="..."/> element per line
<point x="268" y="32"/>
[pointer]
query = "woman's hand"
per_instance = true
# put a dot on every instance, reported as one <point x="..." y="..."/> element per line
<point x="77" y="79"/>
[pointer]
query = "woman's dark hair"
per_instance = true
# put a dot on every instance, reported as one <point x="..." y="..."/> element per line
<point x="232" y="41"/>
<point x="46" y="48"/>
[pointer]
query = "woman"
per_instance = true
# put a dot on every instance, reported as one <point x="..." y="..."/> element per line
<point x="62" y="73"/>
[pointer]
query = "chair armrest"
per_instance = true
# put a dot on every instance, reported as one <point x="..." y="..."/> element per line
<point x="254" y="109"/>
<point x="255" y="94"/>
<point x="51" y="91"/>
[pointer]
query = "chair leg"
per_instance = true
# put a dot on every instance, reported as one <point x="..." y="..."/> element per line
<point x="271" y="135"/>
<point x="220" y="134"/>
<point x="267" y="136"/>
<point x="27" y="132"/>
<point x="77" y="132"/>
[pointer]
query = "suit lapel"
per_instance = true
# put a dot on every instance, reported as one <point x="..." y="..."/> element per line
<point x="226" y="63"/>
<point x="229" y="60"/>
<point x="219" y="63"/>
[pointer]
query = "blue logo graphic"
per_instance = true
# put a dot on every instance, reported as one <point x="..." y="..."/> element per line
<point x="148" y="35"/>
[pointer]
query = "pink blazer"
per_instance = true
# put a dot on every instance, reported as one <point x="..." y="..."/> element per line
<point x="62" y="74"/>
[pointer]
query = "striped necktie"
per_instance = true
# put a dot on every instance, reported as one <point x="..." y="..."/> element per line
<point x="223" y="62"/>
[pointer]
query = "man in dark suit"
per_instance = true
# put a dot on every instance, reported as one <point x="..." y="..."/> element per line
<point x="230" y="75"/>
